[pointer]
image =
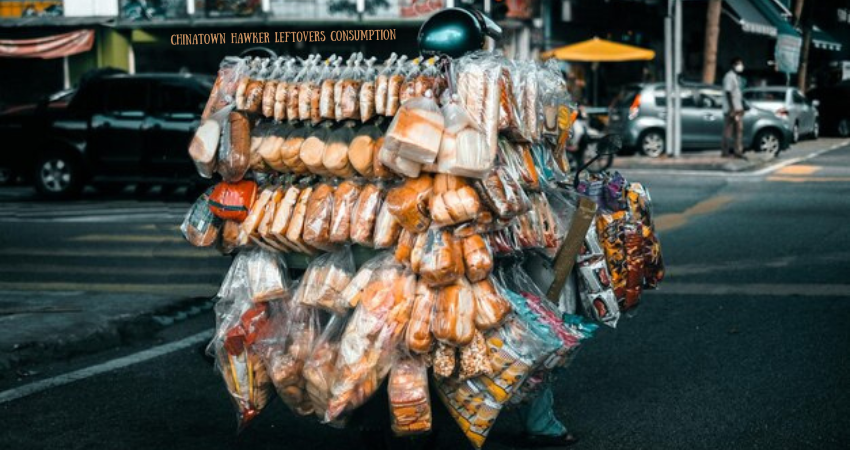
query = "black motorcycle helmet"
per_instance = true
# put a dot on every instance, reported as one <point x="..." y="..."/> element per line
<point x="456" y="31"/>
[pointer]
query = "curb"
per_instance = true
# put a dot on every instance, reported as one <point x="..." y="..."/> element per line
<point x="122" y="330"/>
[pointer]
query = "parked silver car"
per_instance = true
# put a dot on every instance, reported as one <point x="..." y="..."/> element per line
<point x="639" y="113"/>
<point x="790" y="104"/>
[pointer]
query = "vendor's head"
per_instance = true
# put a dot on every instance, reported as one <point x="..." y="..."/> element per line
<point x="737" y="64"/>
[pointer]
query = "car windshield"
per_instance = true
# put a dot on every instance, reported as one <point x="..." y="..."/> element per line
<point x="765" y="96"/>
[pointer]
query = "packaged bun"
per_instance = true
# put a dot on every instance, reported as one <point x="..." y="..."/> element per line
<point x="327" y="79"/>
<point x="387" y="228"/>
<point x="404" y="248"/>
<point x="389" y="156"/>
<point x="290" y="151"/>
<point x="408" y="203"/>
<point x="417" y="253"/>
<point x="367" y="91"/>
<point x="396" y="79"/>
<point x="325" y="279"/>
<point x="348" y="100"/>
<point x="362" y="150"/>
<point x="502" y="194"/>
<point x="229" y="241"/>
<point x="254" y="96"/>
<point x="309" y="92"/>
<point x="203" y="149"/>
<point x="416" y="130"/>
<point x="335" y="158"/>
<point x="296" y="222"/>
<point x="454" y="207"/>
<point x="442" y="259"/>
<point x="200" y="227"/>
<point x="234" y="154"/>
<point x="345" y="198"/>
<point x="410" y="403"/>
<point x="270" y="88"/>
<point x="365" y="213"/>
<point x="259" y="137"/>
<point x="382" y="82"/>
<point x="317" y="217"/>
<point x="418" y="334"/>
<point x="444" y="183"/>
<point x="454" y="315"/>
<point x="271" y="149"/>
<point x="255" y="215"/>
<point x="380" y="170"/>
<point x="491" y="308"/>
<point x="477" y="258"/>
<point x="313" y="150"/>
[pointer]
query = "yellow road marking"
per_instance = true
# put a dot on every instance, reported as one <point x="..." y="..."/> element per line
<point x="799" y="169"/>
<point x="194" y="290"/>
<point x="671" y="221"/>
<point x="809" y="179"/>
<point x="191" y="252"/>
<point x="138" y="238"/>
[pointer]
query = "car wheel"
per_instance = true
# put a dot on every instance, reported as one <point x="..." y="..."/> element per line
<point x="58" y="176"/>
<point x="652" y="144"/>
<point x="844" y="128"/>
<point x="768" y="142"/>
<point x="795" y="134"/>
<point x="816" y="130"/>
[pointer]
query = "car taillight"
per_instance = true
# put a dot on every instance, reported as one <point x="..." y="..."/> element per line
<point x="782" y="112"/>
<point x="634" y="110"/>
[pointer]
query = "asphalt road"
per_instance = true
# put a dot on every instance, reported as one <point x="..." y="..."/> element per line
<point x="746" y="345"/>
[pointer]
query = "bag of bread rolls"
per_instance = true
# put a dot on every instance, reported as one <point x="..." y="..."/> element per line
<point x="404" y="248"/>
<point x="353" y="293"/>
<point x="232" y="201"/>
<point x="475" y="159"/>
<point x="480" y="93"/>
<point x="313" y="149"/>
<point x="258" y="137"/>
<point x="394" y="83"/>
<point x="491" y="308"/>
<point x="223" y="93"/>
<point x="382" y="82"/>
<point x="282" y="215"/>
<point x="268" y="278"/>
<point x="366" y="96"/>
<point x="416" y="130"/>
<point x="296" y="223"/>
<point x="287" y="73"/>
<point x="271" y="148"/>
<point x="263" y="235"/>
<point x="293" y="94"/>
<point x="327" y="79"/>
<point x="362" y="150"/>
<point x="389" y="156"/>
<point x="477" y="258"/>
<point x="365" y="213"/>
<point x="234" y="153"/>
<point x="412" y="70"/>
<point x="229" y="241"/>
<point x="345" y="197"/>
<point x="335" y="157"/>
<point x="525" y="85"/>
<point x="204" y="147"/>
<point x="371" y="337"/>
<point x="428" y="79"/>
<point x="442" y="258"/>
<point x="387" y="229"/>
<point x="348" y="87"/>
<point x="254" y="92"/>
<point x="325" y="279"/>
<point x="418" y="334"/>
<point x="454" y="207"/>
<point x="454" y="314"/>
<point x="309" y="91"/>
<point x="317" y="218"/>
<point x="200" y="227"/>
<point x="417" y="253"/>
<point x="319" y="367"/>
<point x="502" y="193"/>
<point x="290" y="152"/>
<point x="245" y="77"/>
<point x="410" y="402"/>
<point x="408" y="203"/>
<point x="270" y="88"/>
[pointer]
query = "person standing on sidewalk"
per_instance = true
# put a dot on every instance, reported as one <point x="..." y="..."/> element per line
<point x="733" y="111"/>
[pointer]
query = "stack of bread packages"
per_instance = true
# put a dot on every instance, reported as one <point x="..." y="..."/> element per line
<point x="414" y="193"/>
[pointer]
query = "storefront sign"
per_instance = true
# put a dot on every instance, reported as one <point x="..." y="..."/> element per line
<point x="788" y="53"/>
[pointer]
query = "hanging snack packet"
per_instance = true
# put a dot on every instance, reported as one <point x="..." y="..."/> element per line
<point x="200" y="227"/>
<point x="410" y="404"/>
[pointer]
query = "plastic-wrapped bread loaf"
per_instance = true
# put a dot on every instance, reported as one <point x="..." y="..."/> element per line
<point x="477" y="258"/>
<point x="313" y="151"/>
<point x="364" y="214"/>
<point x="454" y="315"/>
<point x="491" y="308"/>
<point x="345" y="198"/>
<point x="418" y="334"/>
<point x="416" y="130"/>
<point x="317" y="217"/>
<point x="290" y="151"/>
<point x="408" y="203"/>
<point x="441" y="260"/>
<point x="335" y="157"/>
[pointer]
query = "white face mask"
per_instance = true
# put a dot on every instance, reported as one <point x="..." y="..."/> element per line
<point x="739" y="68"/>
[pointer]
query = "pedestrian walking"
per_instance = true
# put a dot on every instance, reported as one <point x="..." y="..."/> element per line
<point x="733" y="111"/>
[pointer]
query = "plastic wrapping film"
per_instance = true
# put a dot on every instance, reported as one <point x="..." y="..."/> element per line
<point x="319" y="367"/>
<point x="233" y="201"/>
<point x="441" y="258"/>
<point x="200" y="226"/>
<point x="410" y="403"/>
<point x="326" y="278"/>
<point x="464" y="149"/>
<point x="408" y="202"/>
<point x="418" y="337"/>
<point x="454" y="314"/>
<point x="234" y="153"/>
<point x="480" y="93"/>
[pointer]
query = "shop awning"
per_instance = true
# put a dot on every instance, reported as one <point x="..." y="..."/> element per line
<point x="749" y="17"/>
<point x="48" y="47"/>
<point x="600" y="50"/>
<point x="822" y="40"/>
<point x="777" y="17"/>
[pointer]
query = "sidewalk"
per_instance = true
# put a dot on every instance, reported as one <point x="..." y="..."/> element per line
<point x="39" y="325"/>
<point x="710" y="160"/>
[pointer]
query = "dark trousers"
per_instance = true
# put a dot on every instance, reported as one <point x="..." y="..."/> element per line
<point x="733" y="130"/>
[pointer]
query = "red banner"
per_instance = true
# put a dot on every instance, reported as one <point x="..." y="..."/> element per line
<point x="48" y="47"/>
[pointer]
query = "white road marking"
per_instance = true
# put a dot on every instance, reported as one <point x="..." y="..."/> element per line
<point x="109" y="366"/>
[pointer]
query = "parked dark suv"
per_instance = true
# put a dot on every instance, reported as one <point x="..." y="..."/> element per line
<point x="113" y="130"/>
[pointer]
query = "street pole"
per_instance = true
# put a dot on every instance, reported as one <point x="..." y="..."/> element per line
<point x="677" y="69"/>
<point x="668" y="79"/>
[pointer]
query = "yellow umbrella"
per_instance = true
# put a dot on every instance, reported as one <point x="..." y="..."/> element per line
<point x="600" y="50"/>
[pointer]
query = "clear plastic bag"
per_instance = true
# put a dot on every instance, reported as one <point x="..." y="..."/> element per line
<point x="204" y="147"/>
<point x="480" y="92"/>
<point x="502" y="194"/>
<point x="491" y="308"/>
<point x="382" y="82"/>
<point x="267" y="274"/>
<point x="296" y="223"/>
<point x="454" y="314"/>
<point x="444" y="360"/>
<point x="290" y="152"/>
<point x="252" y="100"/>
<point x="229" y="239"/>
<point x="293" y="95"/>
<point x="249" y="226"/>
<point x="454" y="207"/>
<point x="319" y="367"/>
<point x="353" y="293"/>
<point x="416" y="130"/>
<point x="429" y="79"/>
<point x="345" y="198"/>
<point x="223" y="93"/>
<point x="335" y="158"/>
<point x="389" y="156"/>
<point x="271" y="148"/>
<point x="474" y="360"/>
<point x="309" y="92"/>
<point x="387" y="228"/>
<point x="317" y="217"/>
<point x="258" y="136"/>
<point x="282" y="88"/>
<point x="410" y="403"/>
<point x="477" y="258"/>
<point x="327" y="79"/>
<point x="367" y="91"/>
<point x="325" y="279"/>
<point x="418" y="337"/>
<point x="411" y="72"/>
<point x="368" y="345"/>
<point x="234" y="154"/>
<point x="200" y="227"/>
<point x="406" y="241"/>
<point x="282" y="215"/>
<point x="312" y="150"/>
<point x="348" y="100"/>
<point x="365" y="213"/>
<point x="394" y="84"/>
<point x="270" y="87"/>
<point x="363" y="149"/>
<point x="441" y="258"/>
<point x="408" y="203"/>
<point x="463" y="148"/>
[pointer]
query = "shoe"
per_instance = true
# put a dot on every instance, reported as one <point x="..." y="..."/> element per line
<point x="540" y="441"/>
